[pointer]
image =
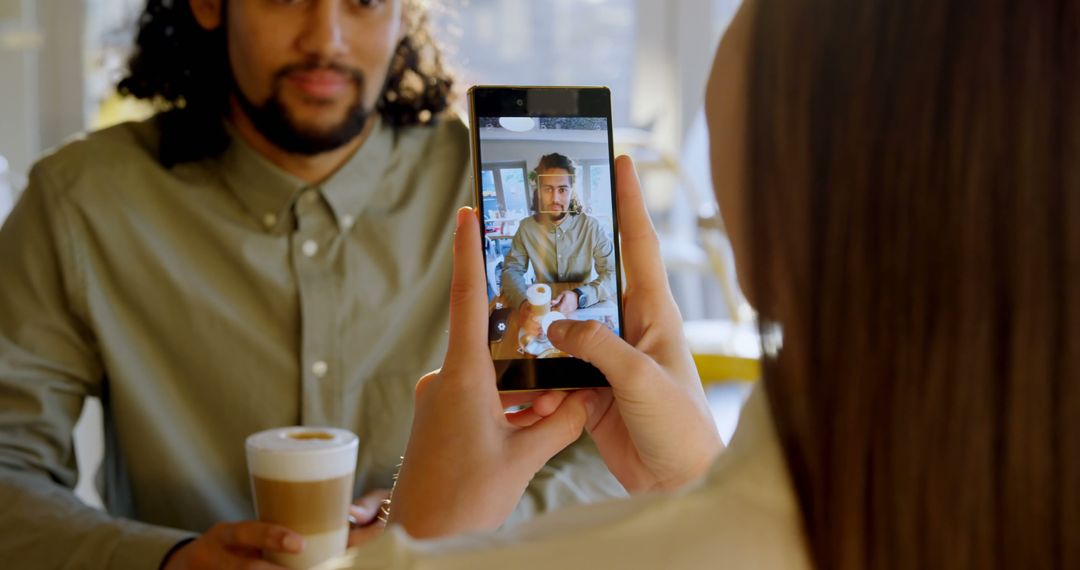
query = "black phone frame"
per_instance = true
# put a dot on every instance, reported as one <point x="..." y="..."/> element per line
<point x="538" y="102"/>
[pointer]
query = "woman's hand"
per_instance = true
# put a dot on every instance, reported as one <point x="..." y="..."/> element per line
<point x="467" y="463"/>
<point x="654" y="428"/>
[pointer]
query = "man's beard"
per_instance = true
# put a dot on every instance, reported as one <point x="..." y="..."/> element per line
<point x="272" y="119"/>
<point x="556" y="216"/>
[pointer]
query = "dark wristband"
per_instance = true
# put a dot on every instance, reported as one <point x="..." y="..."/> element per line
<point x="177" y="546"/>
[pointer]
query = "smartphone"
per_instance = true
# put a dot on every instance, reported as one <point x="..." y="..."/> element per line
<point x="544" y="169"/>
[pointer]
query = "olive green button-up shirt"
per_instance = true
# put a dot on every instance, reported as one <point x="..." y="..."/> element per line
<point x="206" y="302"/>
<point x="568" y="252"/>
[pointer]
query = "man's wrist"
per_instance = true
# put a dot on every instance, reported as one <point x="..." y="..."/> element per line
<point x="172" y="551"/>
<point x="580" y="297"/>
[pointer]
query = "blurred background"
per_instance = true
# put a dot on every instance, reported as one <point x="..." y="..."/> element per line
<point x="60" y="61"/>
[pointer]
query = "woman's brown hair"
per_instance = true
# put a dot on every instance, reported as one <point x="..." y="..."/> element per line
<point x="914" y="199"/>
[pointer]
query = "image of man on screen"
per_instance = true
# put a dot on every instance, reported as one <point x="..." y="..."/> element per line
<point x="564" y="245"/>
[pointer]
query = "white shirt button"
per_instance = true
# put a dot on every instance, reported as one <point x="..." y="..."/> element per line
<point x="311" y="196"/>
<point x="319" y="368"/>
<point x="310" y="248"/>
<point x="347" y="221"/>
<point x="269" y="220"/>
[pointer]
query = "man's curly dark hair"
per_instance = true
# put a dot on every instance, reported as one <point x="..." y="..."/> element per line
<point x="183" y="70"/>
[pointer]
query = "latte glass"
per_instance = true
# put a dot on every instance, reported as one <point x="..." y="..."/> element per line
<point x="302" y="479"/>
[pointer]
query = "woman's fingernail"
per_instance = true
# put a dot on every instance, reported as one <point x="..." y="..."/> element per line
<point x="463" y="214"/>
<point x="591" y="402"/>
<point x="557" y="331"/>
<point x="292" y="543"/>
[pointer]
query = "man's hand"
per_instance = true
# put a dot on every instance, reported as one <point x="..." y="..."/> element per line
<point x="235" y="546"/>
<point x="566" y="303"/>
<point x="366" y="525"/>
<point x="527" y="321"/>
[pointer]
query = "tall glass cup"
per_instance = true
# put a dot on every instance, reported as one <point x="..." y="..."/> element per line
<point x="302" y="479"/>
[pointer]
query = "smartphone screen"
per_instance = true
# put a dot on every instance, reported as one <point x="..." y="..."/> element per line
<point x="544" y="169"/>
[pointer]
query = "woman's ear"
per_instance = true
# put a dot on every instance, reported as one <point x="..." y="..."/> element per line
<point x="207" y="13"/>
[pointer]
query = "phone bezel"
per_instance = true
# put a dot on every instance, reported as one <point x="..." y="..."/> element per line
<point x="528" y="101"/>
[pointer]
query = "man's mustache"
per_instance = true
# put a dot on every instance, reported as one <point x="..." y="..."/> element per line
<point x="354" y="75"/>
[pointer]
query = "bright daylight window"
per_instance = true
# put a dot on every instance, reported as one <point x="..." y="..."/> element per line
<point x="554" y="42"/>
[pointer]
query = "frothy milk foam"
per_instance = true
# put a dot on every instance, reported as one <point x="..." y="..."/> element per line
<point x="539" y="297"/>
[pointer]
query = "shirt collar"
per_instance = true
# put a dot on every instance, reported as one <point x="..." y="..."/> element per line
<point x="267" y="192"/>
<point x="352" y="187"/>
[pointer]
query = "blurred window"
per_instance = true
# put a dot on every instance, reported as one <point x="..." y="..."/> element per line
<point x="554" y="42"/>
<point x="503" y="189"/>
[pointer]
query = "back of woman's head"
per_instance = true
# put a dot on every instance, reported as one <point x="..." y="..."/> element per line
<point x="914" y="192"/>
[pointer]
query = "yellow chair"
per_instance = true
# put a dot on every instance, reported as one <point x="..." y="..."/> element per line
<point x="724" y="350"/>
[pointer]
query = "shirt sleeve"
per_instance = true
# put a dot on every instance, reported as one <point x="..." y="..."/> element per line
<point x="48" y="365"/>
<point x="603" y="253"/>
<point x="515" y="264"/>
<point x="593" y="536"/>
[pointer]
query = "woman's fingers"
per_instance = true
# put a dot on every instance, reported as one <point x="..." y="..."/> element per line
<point x="640" y="244"/>
<point x="551" y="434"/>
<point x="468" y="297"/>
<point x="542" y="405"/>
<point x="623" y="365"/>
